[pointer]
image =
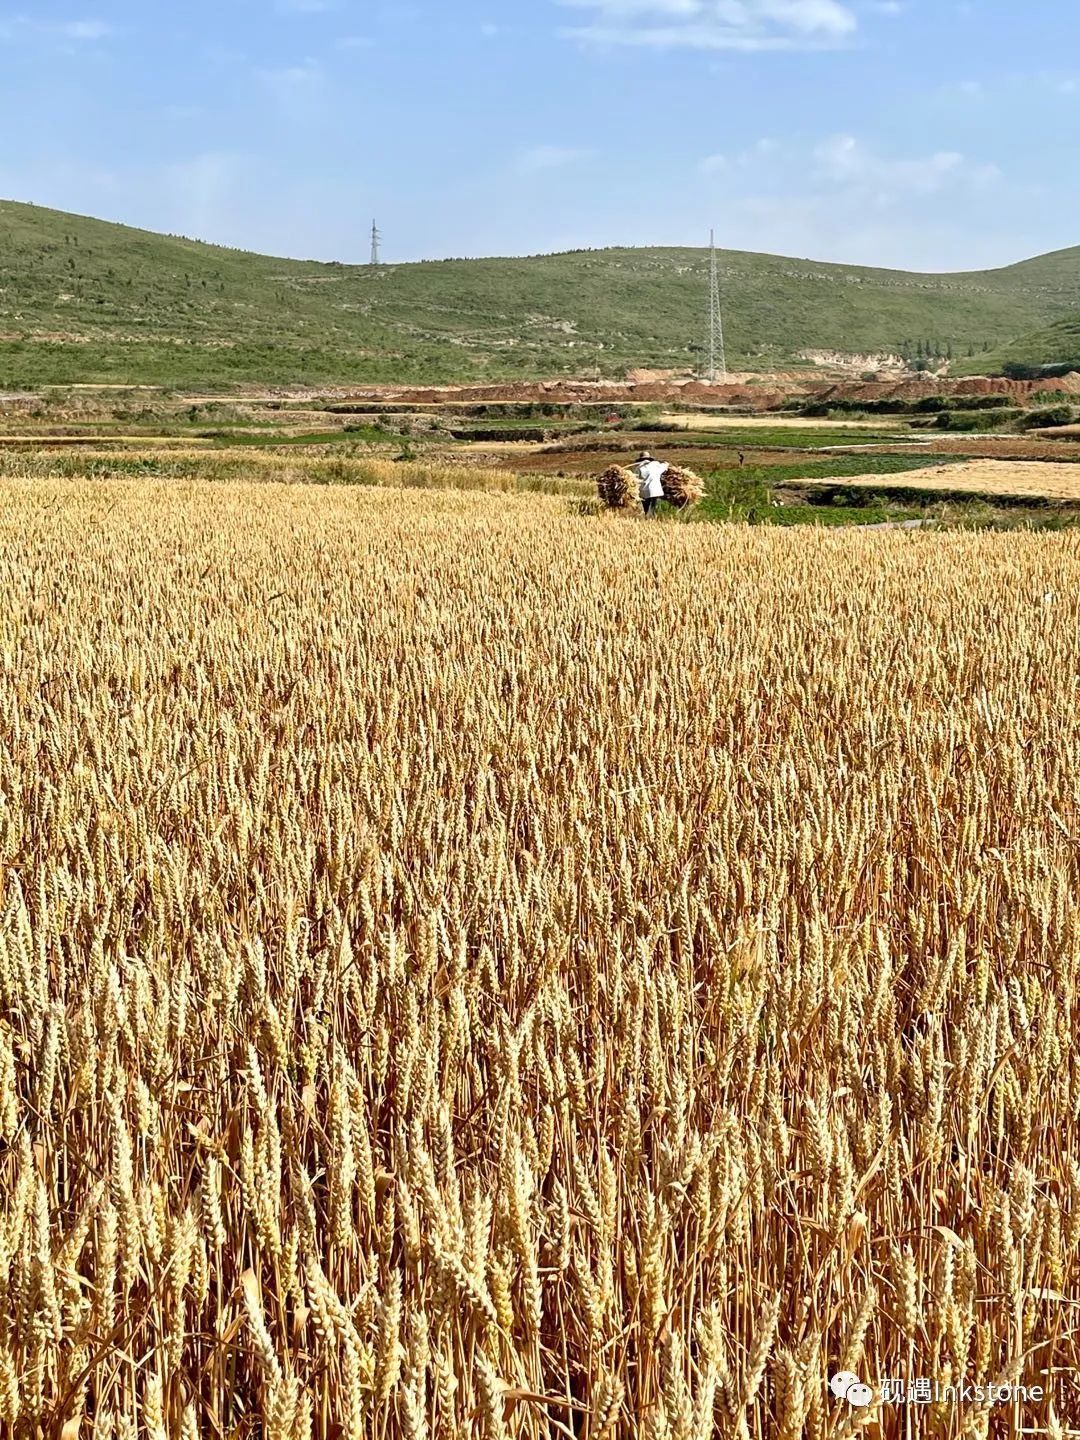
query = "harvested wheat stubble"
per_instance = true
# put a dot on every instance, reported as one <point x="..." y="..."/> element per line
<point x="397" y="1042"/>
<point x="682" y="487"/>
<point x="1019" y="478"/>
<point x="617" y="488"/>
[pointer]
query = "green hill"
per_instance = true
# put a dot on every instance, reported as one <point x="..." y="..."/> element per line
<point x="84" y="300"/>
<point x="1053" y="349"/>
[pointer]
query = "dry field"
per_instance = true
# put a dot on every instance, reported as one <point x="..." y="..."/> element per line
<point x="468" y="969"/>
<point x="988" y="477"/>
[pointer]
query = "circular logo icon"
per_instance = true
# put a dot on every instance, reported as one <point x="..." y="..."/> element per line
<point x="859" y="1395"/>
<point x="840" y="1384"/>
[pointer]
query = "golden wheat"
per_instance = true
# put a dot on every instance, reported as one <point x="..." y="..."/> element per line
<point x="180" y="461"/>
<point x="437" y="1001"/>
<point x="683" y="487"/>
<point x="618" y="487"/>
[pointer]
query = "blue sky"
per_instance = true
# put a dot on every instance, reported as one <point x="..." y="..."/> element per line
<point x="933" y="134"/>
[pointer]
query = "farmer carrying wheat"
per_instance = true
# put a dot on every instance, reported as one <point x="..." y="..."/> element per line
<point x="650" y="473"/>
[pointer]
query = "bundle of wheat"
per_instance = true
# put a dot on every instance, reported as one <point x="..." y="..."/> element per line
<point x="682" y="487"/>
<point x="617" y="488"/>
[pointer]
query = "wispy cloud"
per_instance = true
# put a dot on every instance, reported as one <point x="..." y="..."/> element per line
<point x="299" y="92"/>
<point x="741" y="25"/>
<point x="842" y="197"/>
<point x="845" y="165"/>
<point x="84" y="30"/>
<point x="847" y="161"/>
<point x="550" y="157"/>
<point x="75" y="31"/>
<point x="753" y="157"/>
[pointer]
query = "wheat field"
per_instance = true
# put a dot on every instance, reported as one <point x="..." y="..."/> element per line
<point x="470" y="969"/>
<point x="180" y="462"/>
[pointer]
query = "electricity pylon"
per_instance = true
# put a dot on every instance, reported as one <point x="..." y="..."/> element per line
<point x="717" y="351"/>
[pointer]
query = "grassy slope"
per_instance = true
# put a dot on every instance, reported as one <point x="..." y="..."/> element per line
<point x="1057" y="344"/>
<point x="85" y="300"/>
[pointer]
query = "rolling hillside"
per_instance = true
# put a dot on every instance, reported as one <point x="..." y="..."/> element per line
<point x="85" y="300"/>
<point x="1054" y="347"/>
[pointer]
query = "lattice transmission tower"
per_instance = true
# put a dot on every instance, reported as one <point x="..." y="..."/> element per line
<point x="376" y="244"/>
<point x="716" y="347"/>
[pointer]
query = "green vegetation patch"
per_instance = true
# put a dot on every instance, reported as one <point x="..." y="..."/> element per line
<point x="87" y="301"/>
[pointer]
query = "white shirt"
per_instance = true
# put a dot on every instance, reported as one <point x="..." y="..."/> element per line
<point x="651" y="474"/>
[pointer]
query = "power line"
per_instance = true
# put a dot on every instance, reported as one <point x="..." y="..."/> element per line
<point x="716" y="347"/>
<point x="376" y="243"/>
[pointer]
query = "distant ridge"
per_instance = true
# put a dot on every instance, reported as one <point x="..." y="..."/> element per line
<point x="85" y="300"/>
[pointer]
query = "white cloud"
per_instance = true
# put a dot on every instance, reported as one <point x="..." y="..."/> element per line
<point x="298" y="90"/>
<point x="762" y="149"/>
<point x="741" y="25"/>
<point x="550" y="157"/>
<point x="840" y="198"/>
<point x="84" y="30"/>
<point x="22" y="26"/>
<point x="837" y="228"/>
<point x="845" y="169"/>
<point x="847" y="161"/>
<point x="754" y="157"/>
<point x="827" y="17"/>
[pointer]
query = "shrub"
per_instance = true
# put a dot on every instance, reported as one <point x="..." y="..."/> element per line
<point x="982" y="402"/>
<point x="969" y="420"/>
<point x="1048" y="416"/>
<point x="1015" y="370"/>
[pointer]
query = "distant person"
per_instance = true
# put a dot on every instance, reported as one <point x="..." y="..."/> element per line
<point x="650" y="473"/>
<point x="742" y="457"/>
